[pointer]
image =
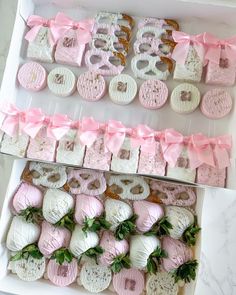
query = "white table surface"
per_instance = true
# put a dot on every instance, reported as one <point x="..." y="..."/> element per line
<point x="218" y="258"/>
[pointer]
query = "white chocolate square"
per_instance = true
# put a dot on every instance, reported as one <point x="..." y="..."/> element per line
<point x="182" y="171"/>
<point x="40" y="49"/>
<point x="192" y="69"/>
<point x="127" y="159"/>
<point x="69" y="150"/>
<point x="15" y="146"/>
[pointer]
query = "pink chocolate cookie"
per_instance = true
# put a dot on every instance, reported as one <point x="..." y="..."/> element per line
<point x="129" y="282"/>
<point x="91" y="86"/>
<point x="211" y="176"/>
<point x="32" y="76"/>
<point x="153" y="94"/>
<point x="62" y="275"/>
<point x="152" y="164"/>
<point x="216" y="103"/>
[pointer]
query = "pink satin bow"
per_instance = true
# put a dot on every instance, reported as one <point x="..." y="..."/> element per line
<point x="215" y="46"/>
<point x="200" y="151"/>
<point x="36" y="22"/>
<point x="58" y="127"/>
<point x="172" y="143"/>
<point x="183" y="41"/>
<point x="222" y="146"/>
<point x="144" y="137"/>
<point x="89" y="131"/>
<point x="11" y="120"/>
<point x="34" y="121"/>
<point x="83" y="28"/>
<point x="114" y="136"/>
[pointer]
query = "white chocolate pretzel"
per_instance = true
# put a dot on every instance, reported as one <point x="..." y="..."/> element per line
<point x="114" y="30"/>
<point x="172" y="194"/>
<point x="153" y="32"/>
<point x="85" y="181"/>
<point x="115" y="19"/>
<point x="151" y="70"/>
<point x="47" y="175"/>
<point x="129" y="187"/>
<point x="159" y="23"/>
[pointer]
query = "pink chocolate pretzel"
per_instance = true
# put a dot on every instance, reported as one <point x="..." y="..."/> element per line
<point x="160" y="23"/>
<point x="105" y="62"/>
<point x="172" y="194"/>
<point x="87" y="182"/>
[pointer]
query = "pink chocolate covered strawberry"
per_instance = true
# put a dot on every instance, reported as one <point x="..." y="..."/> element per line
<point x="179" y="259"/>
<point x="53" y="238"/>
<point x="27" y="202"/>
<point x="114" y="252"/>
<point x="148" y="214"/>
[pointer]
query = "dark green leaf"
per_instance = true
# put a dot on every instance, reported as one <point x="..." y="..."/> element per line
<point x="126" y="228"/>
<point x="151" y="266"/>
<point x="94" y="252"/>
<point x="62" y="255"/>
<point x="189" y="236"/>
<point x="32" y="215"/>
<point x="17" y="257"/>
<point x="164" y="227"/>
<point x="186" y="272"/>
<point x="120" y="262"/>
<point x="104" y="223"/>
<point x="67" y="221"/>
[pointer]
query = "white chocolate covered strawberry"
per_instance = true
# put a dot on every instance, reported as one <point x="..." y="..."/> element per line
<point x="114" y="252"/>
<point x="145" y="252"/>
<point x="58" y="208"/>
<point x="184" y="224"/>
<point x="83" y="242"/>
<point x="22" y="234"/>
<point x="179" y="259"/>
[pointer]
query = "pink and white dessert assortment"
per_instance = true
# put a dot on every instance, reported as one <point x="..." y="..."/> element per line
<point x="102" y="231"/>
<point x="112" y="146"/>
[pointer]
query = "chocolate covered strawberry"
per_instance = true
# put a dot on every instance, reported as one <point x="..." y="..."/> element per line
<point x="58" y="208"/>
<point x="145" y="252"/>
<point x="184" y="224"/>
<point x="179" y="260"/>
<point x="120" y="215"/>
<point x="150" y="218"/>
<point x="84" y="243"/>
<point x="89" y="213"/>
<point x="53" y="238"/>
<point x="22" y="234"/>
<point x="114" y="252"/>
<point x="27" y="202"/>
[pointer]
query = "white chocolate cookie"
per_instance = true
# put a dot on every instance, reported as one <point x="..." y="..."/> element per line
<point x="62" y="82"/>
<point x="185" y="98"/>
<point x="30" y="269"/>
<point x="123" y="89"/>
<point x="161" y="283"/>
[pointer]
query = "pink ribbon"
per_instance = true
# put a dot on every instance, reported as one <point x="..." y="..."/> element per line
<point x="222" y="146"/>
<point x="200" y="151"/>
<point x="83" y="28"/>
<point x="34" y="121"/>
<point x="58" y="127"/>
<point x="144" y="137"/>
<point x="184" y="41"/>
<point x="89" y="131"/>
<point x="36" y="22"/>
<point x="215" y="46"/>
<point x="114" y="136"/>
<point x="172" y="143"/>
<point x="11" y="120"/>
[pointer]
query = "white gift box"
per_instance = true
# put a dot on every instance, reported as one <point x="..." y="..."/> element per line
<point x="194" y="17"/>
<point x="12" y="284"/>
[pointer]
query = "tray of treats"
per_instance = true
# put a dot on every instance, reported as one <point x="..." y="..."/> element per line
<point x="133" y="90"/>
<point x="98" y="232"/>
